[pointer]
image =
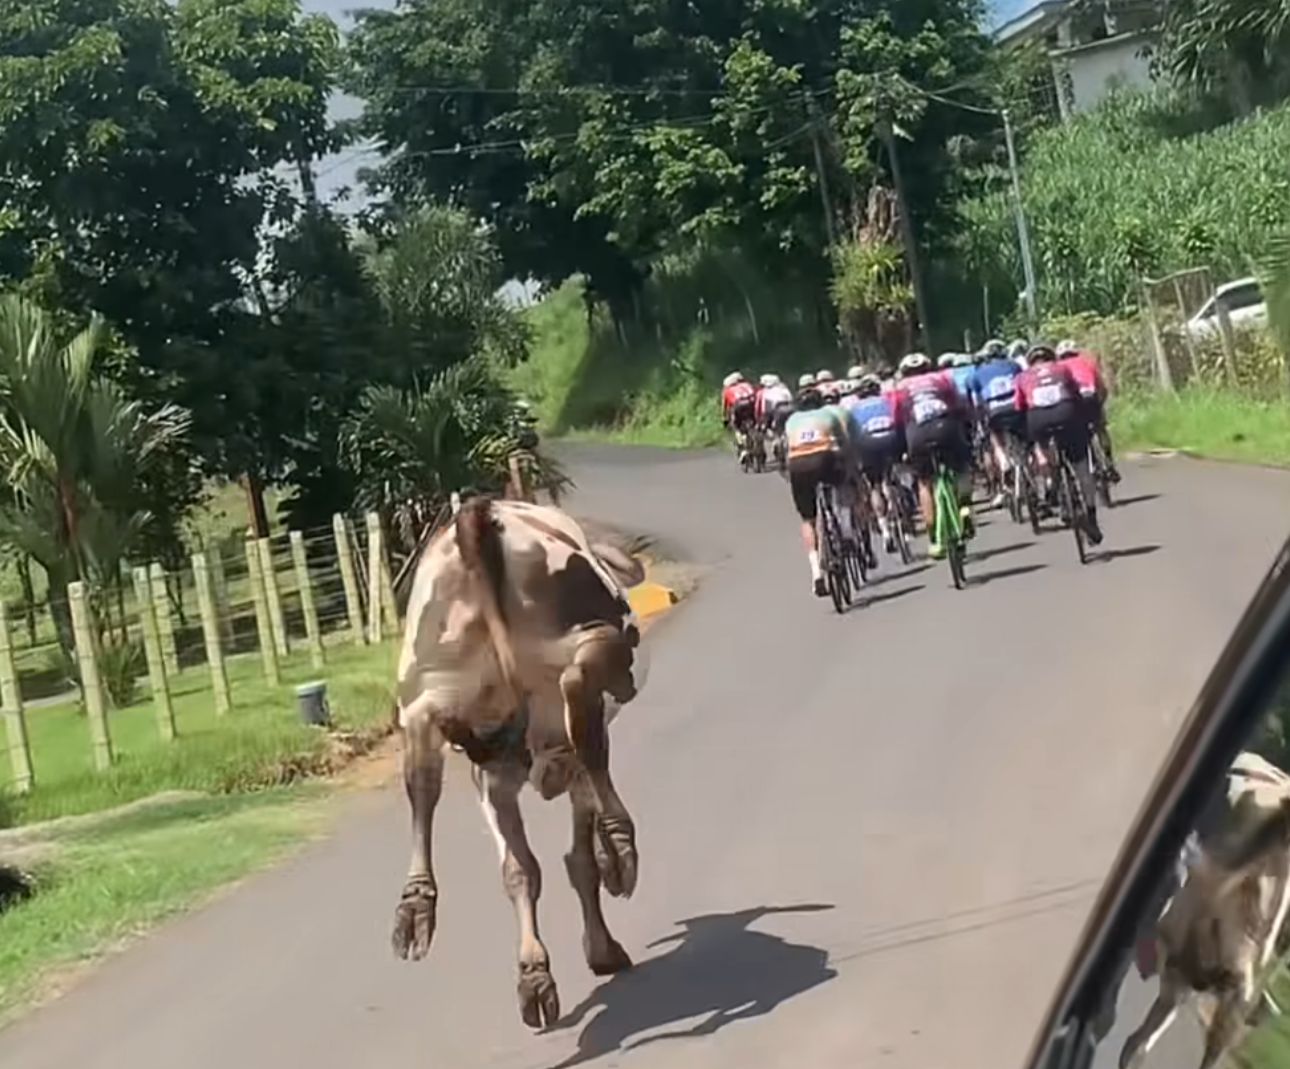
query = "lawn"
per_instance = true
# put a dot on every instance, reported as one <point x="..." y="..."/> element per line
<point x="1209" y="423"/>
<point x="111" y="880"/>
<point x="260" y="743"/>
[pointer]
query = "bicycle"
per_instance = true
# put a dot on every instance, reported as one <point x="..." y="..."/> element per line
<point x="1072" y="508"/>
<point x="950" y="530"/>
<point x="832" y="548"/>
<point x="1023" y="495"/>
<point x="900" y="520"/>
<point x="1101" y="463"/>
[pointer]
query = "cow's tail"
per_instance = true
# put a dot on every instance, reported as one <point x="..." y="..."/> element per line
<point x="479" y="540"/>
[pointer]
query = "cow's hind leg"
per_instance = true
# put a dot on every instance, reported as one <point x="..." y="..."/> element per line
<point x="582" y="684"/>
<point x="499" y="787"/>
<point x="603" y="953"/>
<point x="414" y="918"/>
<point x="1159" y="1017"/>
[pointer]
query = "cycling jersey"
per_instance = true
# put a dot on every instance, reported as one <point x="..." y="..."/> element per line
<point x="927" y="397"/>
<point x="1044" y="385"/>
<point x="1084" y="370"/>
<point x="771" y="398"/>
<point x="740" y="393"/>
<point x="872" y="417"/>
<point x="962" y="377"/>
<point x="814" y="431"/>
<point x="993" y="385"/>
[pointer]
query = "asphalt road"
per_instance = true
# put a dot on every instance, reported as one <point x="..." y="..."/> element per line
<point x="866" y="840"/>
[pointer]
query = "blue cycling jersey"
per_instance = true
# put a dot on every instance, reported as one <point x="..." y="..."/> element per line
<point x="993" y="384"/>
<point x="872" y="417"/>
<point x="962" y="377"/>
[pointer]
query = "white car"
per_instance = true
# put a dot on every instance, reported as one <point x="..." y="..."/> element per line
<point x="1244" y="303"/>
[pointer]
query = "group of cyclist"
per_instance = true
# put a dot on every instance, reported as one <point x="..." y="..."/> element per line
<point x="853" y="433"/>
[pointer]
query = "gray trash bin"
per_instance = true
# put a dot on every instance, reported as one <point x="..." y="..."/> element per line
<point x="311" y="698"/>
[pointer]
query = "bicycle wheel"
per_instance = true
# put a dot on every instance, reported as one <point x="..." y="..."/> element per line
<point x="1073" y="502"/>
<point x="899" y="529"/>
<point x="949" y="524"/>
<point x="1101" y="472"/>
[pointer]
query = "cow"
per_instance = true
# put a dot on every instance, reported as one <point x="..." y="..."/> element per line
<point x="1219" y="932"/>
<point x="519" y="648"/>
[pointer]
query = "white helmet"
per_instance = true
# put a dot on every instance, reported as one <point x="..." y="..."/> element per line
<point x="1067" y="347"/>
<point x="732" y="378"/>
<point x="767" y="380"/>
<point x="1018" y="348"/>
<point x="774" y="379"/>
<point x="945" y="360"/>
<point x="913" y="364"/>
<point x="995" y="348"/>
<point x="824" y="375"/>
<point x="805" y="380"/>
<point x="856" y="371"/>
<point x="962" y="359"/>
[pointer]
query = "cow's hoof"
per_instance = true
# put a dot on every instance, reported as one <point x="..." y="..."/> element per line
<point x="606" y="957"/>
<point x="539" y="1000"/>
<point x="615" y="847"/>
<point x="414" y="921"/>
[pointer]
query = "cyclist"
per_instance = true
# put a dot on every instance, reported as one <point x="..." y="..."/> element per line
<point x="1092" y="387"/>
<point x="818" y="452"/>
<point x="1018" y="350"/>
<point x="738" y="408"/>
<point x="1047" y="393"/>
<point x="879" y="443"/>
<point x="772" y="396"/>
<point x="857" y="372"/>
<point x="934" y="417"/>
<point x="827" y="384"/>
<point x="993" y="389"/>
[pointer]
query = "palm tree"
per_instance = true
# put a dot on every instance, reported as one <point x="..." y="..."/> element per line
<point x="74" y="452"/>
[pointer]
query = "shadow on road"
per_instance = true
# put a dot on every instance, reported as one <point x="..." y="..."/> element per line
<point x="719" y="970"/>
<point x="889" y="595"/>
<point x="904" y="573"/>
<point x="1004" y="573"/>
<point x="1124" y="502"/>
<point x="1131" y="551"/>
<point x="998" y="551"/>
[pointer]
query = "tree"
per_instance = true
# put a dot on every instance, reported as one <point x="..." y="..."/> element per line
<point x="1235" y="47"/>
<point x="75" y="453"/>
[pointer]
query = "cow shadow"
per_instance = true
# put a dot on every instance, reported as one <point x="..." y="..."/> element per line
<point x="718" y="969"/>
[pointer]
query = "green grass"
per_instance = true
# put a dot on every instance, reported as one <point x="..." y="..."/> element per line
<point x="260" y="743"/>
<point x="110" y="881"/>
<point x="1208" y="423"/>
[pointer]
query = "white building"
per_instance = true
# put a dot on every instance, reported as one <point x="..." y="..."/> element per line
<point x="1093" y="47"/>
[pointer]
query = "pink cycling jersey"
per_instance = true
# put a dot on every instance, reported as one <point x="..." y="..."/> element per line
<point x="1084" y="370"/>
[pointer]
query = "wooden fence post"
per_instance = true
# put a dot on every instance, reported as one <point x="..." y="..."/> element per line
<point x="264" y="629"/>
<point x="152" y="650"/>
<point x="348" y="578"/>
<point x="211" y="632"/>
<point x="165" y="622"/>
<point x="383" y="613"/>
<point x="314" y="635"/>
<point x="1164" y="376"/>
<point x="91" y="683"/>
<point x="15" y="719"/>
<point x="273" y="595"/>
<point x="219" y="591"/>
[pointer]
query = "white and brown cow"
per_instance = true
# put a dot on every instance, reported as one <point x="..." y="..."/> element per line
<point x="517" y="631"/>
<point x="1219" y="932"/>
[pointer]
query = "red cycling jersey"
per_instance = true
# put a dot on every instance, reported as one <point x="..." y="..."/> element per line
<point x="1044" y="385"/>
<point x="926" y="397"/>
<point x="1083" y="368"/>
<point x="734" y="395"/>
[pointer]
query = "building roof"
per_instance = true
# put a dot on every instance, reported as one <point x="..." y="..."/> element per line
<point x="1030" y="23"/>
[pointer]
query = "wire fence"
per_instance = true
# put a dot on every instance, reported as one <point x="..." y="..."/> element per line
<point x="294" y="592"/>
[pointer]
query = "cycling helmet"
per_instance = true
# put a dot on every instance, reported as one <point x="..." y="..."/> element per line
<point x="995" y="348"/>
<point x="774" y="379"/>
<point x="914" y="364"/>
<point x="732" y="378"/>
<point x="869" y="385"/>
<point x="824" y="375"/>
<point x="767" y="380"/>
<point x="810" y="398"/>
<point x="856" y="371"/>
<point x="805" y="381"/>
<point x="1067" y="347"/>
<point x="1041" y="353"/>
<point x="847" y="387"/>
<point x="1018" y="348"/>
<point x="946" y="360"/>
<point x="962" y="359"/>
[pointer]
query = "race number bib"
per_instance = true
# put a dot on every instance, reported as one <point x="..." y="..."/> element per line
<point x="878" y="425"/>
<point x="807" y="436"/>
<point x="927" y="409"/>
<point x="1047" y="396"/>
<point x="1000" y="388"/>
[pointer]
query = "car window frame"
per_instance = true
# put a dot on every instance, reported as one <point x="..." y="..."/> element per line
<point x="1218" y="726"/>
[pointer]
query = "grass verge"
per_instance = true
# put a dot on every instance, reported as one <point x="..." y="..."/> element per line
<point x="1208" y="423"/>
<point x="260" y="743"/>
<point x="109" y="881"/>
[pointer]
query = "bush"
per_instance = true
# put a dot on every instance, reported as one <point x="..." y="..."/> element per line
<point x="119" y="666"/>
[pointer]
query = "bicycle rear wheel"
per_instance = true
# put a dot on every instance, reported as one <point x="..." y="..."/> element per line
<point x="1073" y="504"/>
<point x="899" y="528"/>
<point x="1101" y="472"/>
<point x="949" y="524"/>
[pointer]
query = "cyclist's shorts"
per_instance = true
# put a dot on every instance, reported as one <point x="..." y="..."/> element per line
<point x="743" y="414"/>
<point x="779" y="416"/>
<point x="948" y="435"/>
<point x="877" y="453"/>
<point x="806" y="473"/>
<point x="1008" y="421"/>
<point x="1064" y="423"/>
<point x="1094" y="412"/>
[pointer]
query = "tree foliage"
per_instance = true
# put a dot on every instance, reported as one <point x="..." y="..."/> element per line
<point x="1237" y="48"/>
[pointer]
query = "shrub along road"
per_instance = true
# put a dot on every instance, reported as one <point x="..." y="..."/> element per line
<point x="862" y="837"/>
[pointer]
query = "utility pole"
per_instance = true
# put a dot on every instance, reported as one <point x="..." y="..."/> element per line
<point x="886" y="133"/>
<point x="830" y="230"/>
<point x="1023" y="233"/>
